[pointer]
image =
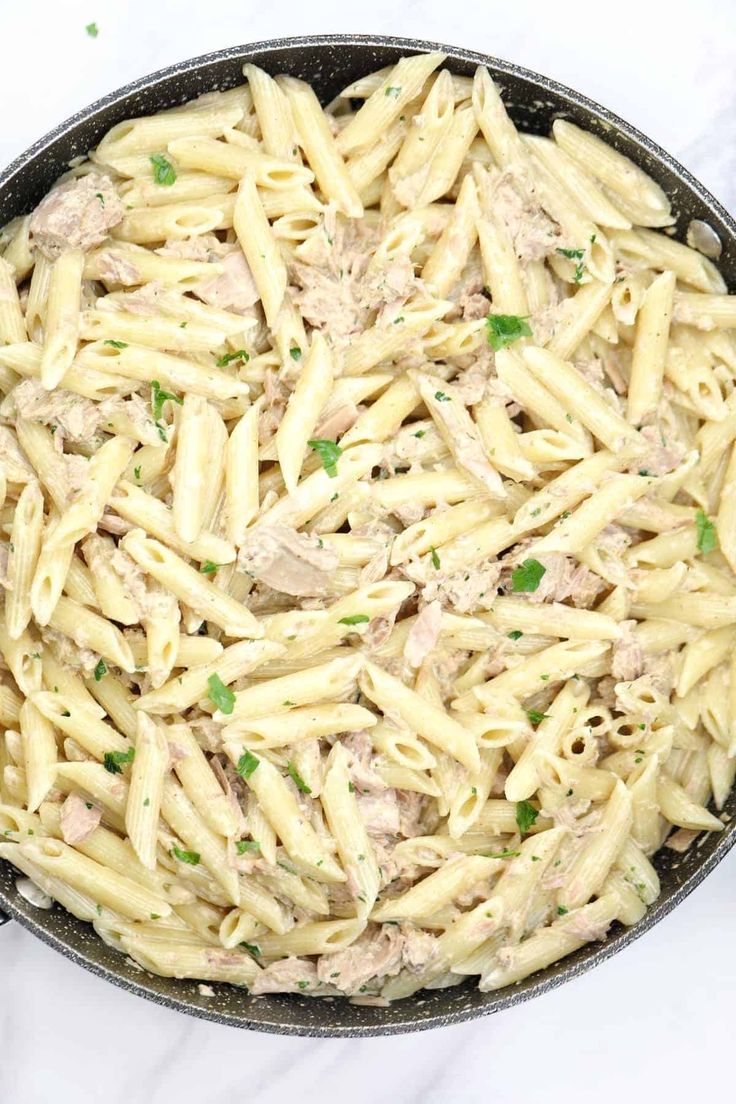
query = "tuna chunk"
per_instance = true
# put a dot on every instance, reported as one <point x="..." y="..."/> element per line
<point x="375" y="954"/>
<point x="234" y="289"/>
<point x="466" y="590"/>
<point x="288" y="975"/>
<point x="287" y="561"/>
<point x="628" y="658"/>
<point x="79" y="818"/>
<point x="78" y="214"/>
<point x="423" y="634"/>
<point x="380" y="813"/>
<point x="77" y="417"/>
<point x="563" y="578"/>
<point x="534" y="234"/>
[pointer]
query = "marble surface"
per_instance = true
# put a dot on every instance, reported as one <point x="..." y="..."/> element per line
<point x="656" y="1019"/>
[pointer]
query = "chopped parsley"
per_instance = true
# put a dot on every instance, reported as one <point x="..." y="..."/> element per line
<point x="505" y="854"/>
<point x="295" y="352"/>
<point x="535" y="716"/>
<point x="303" y="984"/>
<point x="241" y="846"/>
<point x="191" y="857"/>
<point x="393" y="90"/>
<point x="577" y="276"/>
<point x="354" y="619"/>
<point x="515" y="634"/>
<point x="137" y="472"/>
<point x="351" y="787"/>
<point x="328" y="452"/>
<point x="441" y="396"/>
<point x="707" y="534"/>
<point x="572" y="254"/>
<point x="220" y="695"/>
<point x="526" y="816"/>
<point x="419" y="433"/>
<point x="228" y="358"/>
<point x="247" y="764"/>
<point x="297" y="779"/>
<point x="251" y="948"/>
<point x="100" y="670"/>
<point x="159" y="397"/>
<point x="526" y="579"/>
<point x="92" y="30"/>
<point x="112" y="760"/>
<point x="163" y="170"/>
<point x="504" y="329"/>
<point x="115" y="344"/>
<point x="434" y="558"/>
<point x="562" y="911"/>
<point x="209" y="567"/>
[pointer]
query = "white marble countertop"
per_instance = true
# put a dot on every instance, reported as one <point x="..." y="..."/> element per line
<point x="657" y="1019"/>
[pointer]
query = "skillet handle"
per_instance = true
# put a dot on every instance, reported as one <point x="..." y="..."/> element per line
<point x="4" y="918"/>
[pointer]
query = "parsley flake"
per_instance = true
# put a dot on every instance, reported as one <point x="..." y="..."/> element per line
<point x="228" y="358"/>
<point x="515" y="634"/>
<point x="526" y="579"/>
<point x="209" y="567"/>
<point x="572" y="254"/>
<point x="535" y="716"/>
<point x="241" y="846"/>
<point x="191" y="857"/>
<point x="163" y="170"/>
<point x="707" y="534"/>
<point x="92" y="30"/>
<point x="112" y="760"/>
<point x="505" y="329"/>
<point x="435" y="558"/>
<point x="100" y="670"/>
<point x="441" y="396"/>
<point x="295" y="352"/>
<point x="393" y="90"/>
<point x="115" y="344"/>
<point x="328" y="452"/>
<point x="220" y="695"/>
<point x="159" y="397"/>
<point x="247" y="764"/>
<point x="354" y="619"/>
<point x="526" y="816"/>
<point x="297" y="779"/>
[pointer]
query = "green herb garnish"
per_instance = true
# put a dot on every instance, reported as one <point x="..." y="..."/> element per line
<point x="115" y="344"/>
<point x="247" y="764"/>
<point x="505" y="329"/>
<point x="112" y="760"/>
<point x="191" y="857"/>
<point x="297" y="779"/>
<point x="228" y="358"/>
<point x="526" y="816"/>
<point x="526" y="579"/>
<point x="354" y="619"/>
<point x="100" y="670"/>
<point x="707" y="533"/>
<point x="220" y="695"/>
<point x="163" y="170"/>
<point x="328" y="452"/>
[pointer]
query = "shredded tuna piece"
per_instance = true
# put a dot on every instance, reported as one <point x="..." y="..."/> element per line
<point x="664" y="454"/>
<point x="466" y="590"/>
<point x="423" y="634"/>
<point x="77" y="417"/>
<point x="380" y="813"/>
<point x="290" y="562"/>
<point x="375" y="954"/>
<point x="513" y="199"/>
<point x="681" y="840"/>
<point x="114" y="267"/>
<point x="419" y="948"/>
<point x="288" y="975"/>
<point x="563" y="579"/>
<point x="79" y="819"/>
<point x="628" y="658"/>
<point x="584" y="928"/>
<point x="338" y="422"/>
<point x="76" y="215"/>
<point x="234" y="289"/>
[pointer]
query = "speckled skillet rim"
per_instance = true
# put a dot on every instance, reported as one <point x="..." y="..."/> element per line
<point x="22" y="184"/>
